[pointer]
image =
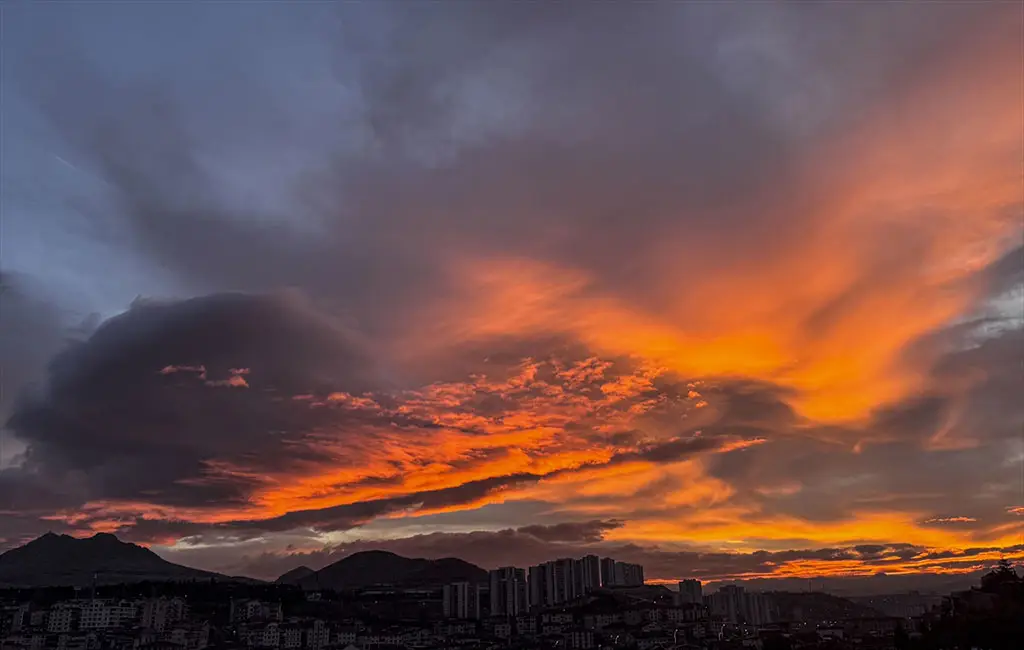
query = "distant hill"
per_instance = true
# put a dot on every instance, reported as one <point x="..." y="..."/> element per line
<point x="370" y="568"/>
<point x="294" y="576"/>
<point x="62" y="560"/>
<point x="817" y="606"/>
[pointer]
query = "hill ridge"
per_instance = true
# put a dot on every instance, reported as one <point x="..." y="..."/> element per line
<point x="64" y="560"/>
<point x="379" y="567"/>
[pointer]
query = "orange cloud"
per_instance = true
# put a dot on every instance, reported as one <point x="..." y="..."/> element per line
<point x="892" y="219"/>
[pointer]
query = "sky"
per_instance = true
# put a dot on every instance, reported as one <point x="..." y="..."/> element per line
<point x="734" y="290"/>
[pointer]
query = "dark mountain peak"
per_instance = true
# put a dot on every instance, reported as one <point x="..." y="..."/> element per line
<point x="55" y="560"/>
<point x="375" y="554"/>
<point x="49" y="537"/>
<point x="368" y="568"/>
<point x="50" y="540"/>
<point x="110" y="543"/>
<point x="295" y="575"/>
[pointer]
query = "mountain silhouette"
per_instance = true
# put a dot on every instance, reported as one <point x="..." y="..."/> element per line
<point x="295" y="576"/>
<point x="62" y="560"/>
<point x="370" y="568"/>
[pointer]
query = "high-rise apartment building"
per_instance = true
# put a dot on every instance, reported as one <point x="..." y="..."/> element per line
<point x="737" y="605"/>
<point x="588" y="574"/>
<point x="607" y="572"/>
<point x="690" y="591"/>
<point x="621" y="574"/>
<point x="564" y="580"/>
<point x="509" y="594"/>
<point x="461" y="600"/>
<point x="538" y="586"/>
<point x="561" y="581"/>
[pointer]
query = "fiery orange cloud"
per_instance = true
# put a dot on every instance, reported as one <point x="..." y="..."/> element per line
<point x="897" y="215"/>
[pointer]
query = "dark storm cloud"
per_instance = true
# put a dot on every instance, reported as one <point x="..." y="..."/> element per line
<point x="678" y="134"/>
<point x="1007" y="272"/>
<point x="583" y="531"/>
<point x="156" y="401"/>
<point x="31" y="331"/>
<point x="989" y="408"/>
<point x="114" y="422"/>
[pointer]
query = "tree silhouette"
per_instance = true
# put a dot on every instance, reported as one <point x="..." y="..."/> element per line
<point x="1000" y="578"/>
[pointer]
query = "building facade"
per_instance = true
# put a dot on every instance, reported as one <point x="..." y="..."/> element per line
<point x="508" y="591"/>
<point x="621" y="574"/>
<point x="736" y="605"/>
<point x="690" y="591"/>
<point x="461" y="600"/>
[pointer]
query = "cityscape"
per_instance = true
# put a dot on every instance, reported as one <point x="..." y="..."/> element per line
<point x="584" y="603"/>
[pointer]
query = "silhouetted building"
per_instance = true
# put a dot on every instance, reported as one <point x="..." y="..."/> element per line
<point x="160" y="613"/>
<point x="607" y="572"/>
<point x="461" y="600"/>
<point x="588" y="574"/>
<point x="509" y="595"/>
<point x="621" y="574"/>
<point x="564" y="580"/>
<point x="538" y="586"/>
<point x="690" y="591"/>
<point x="736" y="605"/>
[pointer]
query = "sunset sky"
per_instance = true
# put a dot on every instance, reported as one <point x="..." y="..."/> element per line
<point x="732" y="290"/>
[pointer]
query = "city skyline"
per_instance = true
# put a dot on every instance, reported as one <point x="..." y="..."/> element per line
<point x="726" y="291"/>
<point x="385" y="602"/>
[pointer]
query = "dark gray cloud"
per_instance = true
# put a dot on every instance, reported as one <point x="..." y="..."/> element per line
<point x="31" y="331"/>
<point x="471" y="127"/>
<point x="152" y="406"/>
<point x="117" y="419"/>
<point x="583" y="531"/>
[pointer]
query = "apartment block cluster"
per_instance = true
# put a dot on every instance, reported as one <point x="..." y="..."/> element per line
<point x="513" y="591"/>
<point x="730" y="603"/>
<point x="84" y="624"/>
<point x="582" y="626"/>
<point x="629" y="619"/>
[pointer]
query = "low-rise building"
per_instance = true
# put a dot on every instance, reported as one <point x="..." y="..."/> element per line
<point x="190" y="636"/>
<point x="255" y="610"/>
<point x="160" y="613"/>
<point x="345" y="635"/>
<point x="526" y="625"/>
<point x="102" y="614"/>
<point x="291" y="636"/>
<point x="579" y="639"/>
<point x="63" y="618"/>
<point x="318" y="635"/>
